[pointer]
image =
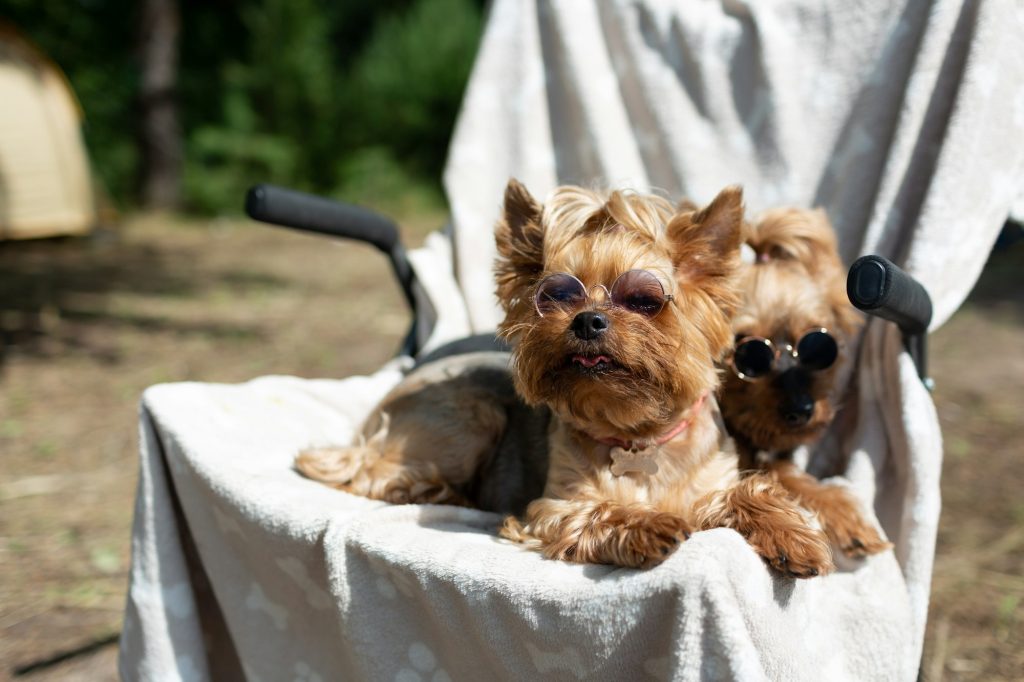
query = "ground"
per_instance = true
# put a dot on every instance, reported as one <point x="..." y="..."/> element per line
<point x="87" y="324"/>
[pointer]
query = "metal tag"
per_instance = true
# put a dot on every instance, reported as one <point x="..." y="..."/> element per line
<point x="641" y="461"/>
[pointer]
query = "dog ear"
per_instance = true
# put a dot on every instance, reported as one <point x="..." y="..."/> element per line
<point x="706" y="243"/>
<point x="705" y="247"/>
<point x="520" y="241"/>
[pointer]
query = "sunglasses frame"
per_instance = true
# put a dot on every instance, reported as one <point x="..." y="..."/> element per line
<point x="608" y="300"/>
<point x="776" y="352"/>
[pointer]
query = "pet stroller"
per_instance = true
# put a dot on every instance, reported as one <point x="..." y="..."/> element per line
<point x="891" y="115"/>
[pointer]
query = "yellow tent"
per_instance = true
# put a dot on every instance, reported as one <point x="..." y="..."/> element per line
<point x="45" y="181"/>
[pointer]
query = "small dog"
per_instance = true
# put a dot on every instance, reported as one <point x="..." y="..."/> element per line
<point x="790" y="333"/>
<point x="617" y="308"/>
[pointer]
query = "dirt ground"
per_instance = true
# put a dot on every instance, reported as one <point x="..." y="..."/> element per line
<point x="87" y="324"/>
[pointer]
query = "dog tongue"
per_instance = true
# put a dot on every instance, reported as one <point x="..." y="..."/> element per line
<point x="590" y="361"/>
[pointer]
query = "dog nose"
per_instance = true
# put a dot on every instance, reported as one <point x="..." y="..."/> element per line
<point x="589" y="325"/>
<point x="797" y="409"/>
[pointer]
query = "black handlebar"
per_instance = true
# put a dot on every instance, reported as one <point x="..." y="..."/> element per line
<point x="287" y="207"/>
<point x="877" y="286"/>
<point x="301" y="211"/>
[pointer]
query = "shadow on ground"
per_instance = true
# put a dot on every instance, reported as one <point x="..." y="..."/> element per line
<point x="59" y="295"/>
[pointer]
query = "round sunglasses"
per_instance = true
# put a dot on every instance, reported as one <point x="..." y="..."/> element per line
<point x="755" y="356"/>
<point x="638" y="291"/>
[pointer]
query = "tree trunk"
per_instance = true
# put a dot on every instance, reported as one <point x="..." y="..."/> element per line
<point x="160" y="132"/>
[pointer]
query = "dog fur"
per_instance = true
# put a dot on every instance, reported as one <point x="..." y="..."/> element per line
<point x="652" y="393"/>
<point x="796" y="282"/>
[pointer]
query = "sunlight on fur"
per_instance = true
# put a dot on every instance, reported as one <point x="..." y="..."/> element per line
<point x="589" y="381"/>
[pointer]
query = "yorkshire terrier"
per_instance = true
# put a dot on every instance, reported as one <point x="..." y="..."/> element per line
<point x="791" y="332"/>
<point x="617" y="306"/>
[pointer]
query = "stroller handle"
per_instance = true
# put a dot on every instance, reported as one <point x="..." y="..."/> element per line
<point x="298" y="210"/>
<point x="272" y="204"/>
<point x="878" y="287"/>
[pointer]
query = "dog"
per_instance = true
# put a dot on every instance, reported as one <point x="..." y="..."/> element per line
<point x="791" y="333"/>
<point x="617" y="309"/>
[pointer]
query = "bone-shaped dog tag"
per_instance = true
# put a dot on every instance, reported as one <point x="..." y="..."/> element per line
<point x="641" y="461"/>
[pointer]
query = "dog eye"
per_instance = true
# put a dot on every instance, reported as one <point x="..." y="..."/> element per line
<point x="645" y="305"/>
<point x="640" y="292"/>
<point x="555" y="294"/>
<point x="557" y="291"/>
<point x="817" y="350"/>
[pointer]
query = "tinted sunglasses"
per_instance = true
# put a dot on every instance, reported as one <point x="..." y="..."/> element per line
<point x="754" y="356"/>
<point x="638" y="291"/>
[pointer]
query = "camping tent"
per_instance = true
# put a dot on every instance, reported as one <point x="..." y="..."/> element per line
<point x="45" y="180"/>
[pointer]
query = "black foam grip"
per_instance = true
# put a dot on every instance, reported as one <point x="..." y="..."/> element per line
<point x="877" y="286"/>
<point x="287" y="207"/>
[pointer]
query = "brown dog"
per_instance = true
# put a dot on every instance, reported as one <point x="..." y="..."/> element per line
<point x="791" y="331"/>
<point x="617" y="307"/>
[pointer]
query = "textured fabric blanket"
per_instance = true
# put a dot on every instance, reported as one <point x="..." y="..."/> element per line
<point x="242" y="567"/>
<point x="897" y="117"/>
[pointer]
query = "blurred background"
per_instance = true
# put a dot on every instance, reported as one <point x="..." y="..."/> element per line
<point x="129" y="132"/>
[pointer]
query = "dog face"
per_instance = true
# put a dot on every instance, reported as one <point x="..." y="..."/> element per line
<point x="796" y="285"/>
<point x="584" y="281"/>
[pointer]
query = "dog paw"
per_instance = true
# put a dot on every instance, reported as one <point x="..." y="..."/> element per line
<point x="845" y="525"/>
<point x="408" y="490"/>
<point x="649" y="542"/>
<point x="857" y="540"/>
<point x="620" y="538"/>
<point x="796" y="551"/>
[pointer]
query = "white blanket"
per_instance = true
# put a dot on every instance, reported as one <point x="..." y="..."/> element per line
<point x="239" y="564"/>
<point x="901" y="118"/>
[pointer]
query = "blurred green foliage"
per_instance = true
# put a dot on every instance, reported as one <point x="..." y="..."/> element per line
<point x="354" y="99"/>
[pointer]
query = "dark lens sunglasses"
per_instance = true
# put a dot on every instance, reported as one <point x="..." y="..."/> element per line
<point x="638" y="291"/>
<point x="754" y="356"/>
